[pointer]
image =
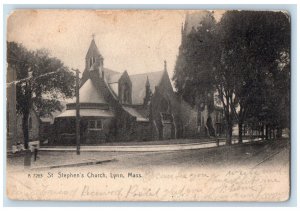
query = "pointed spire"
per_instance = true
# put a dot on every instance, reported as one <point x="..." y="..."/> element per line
<point x="148" y="93"/>
<point x="93" y="50"/>
<point x="165" y="65"/>
<point x="147" y="82"/>
<point x="93" y="59"/>
<point x="183" y="32"/>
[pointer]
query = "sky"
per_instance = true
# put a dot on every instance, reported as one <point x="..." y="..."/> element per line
<point x="136" y="41"/>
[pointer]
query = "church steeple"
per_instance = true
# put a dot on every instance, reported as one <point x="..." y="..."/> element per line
<point x="147" y="82"/>
<point x="183" y="31"/>
<point x="93" y="58"/>
<point x="148" y="92"/>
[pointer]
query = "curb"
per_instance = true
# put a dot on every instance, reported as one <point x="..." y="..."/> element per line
<point x="73" y="164"/>
<point x="145" y="148"/>
<point x="136" y="148"/>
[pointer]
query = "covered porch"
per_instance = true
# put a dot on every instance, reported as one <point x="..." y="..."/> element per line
<point x="95" y="127"/>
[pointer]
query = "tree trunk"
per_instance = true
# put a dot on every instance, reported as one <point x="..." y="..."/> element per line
<point x="240" y="132"/>
<point x="267" y="132"/>
<point x="278" y="133"/>
<point x="229" y="135"/>
<point x="262" y="132"/>
<point x="25" y="129"/>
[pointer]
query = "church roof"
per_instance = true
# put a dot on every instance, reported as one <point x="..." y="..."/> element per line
<point x="140" y="116"/>
<point x="112" y="76"/>
<point x="87" y="113"/>
<point x="139" y="84"/>
<point x="89" y="94"/>
<point x="93" y="50"/>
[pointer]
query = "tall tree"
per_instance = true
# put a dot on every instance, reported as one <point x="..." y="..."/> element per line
<point x="255" y="45"/>
<point x="246" y="56"/>
<point x="224" y="83"/>
<point x="41" y="81"/>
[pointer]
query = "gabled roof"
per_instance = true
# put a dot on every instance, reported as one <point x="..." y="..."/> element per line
<point x="140" y="115"/>
<point x="89" y="94"/>
<point x="109" y="72"/>
<point x="112" y="76"/>
<point x="139" y="84"/>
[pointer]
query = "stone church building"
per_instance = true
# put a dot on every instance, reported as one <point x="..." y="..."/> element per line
<point x="116" y="106"/>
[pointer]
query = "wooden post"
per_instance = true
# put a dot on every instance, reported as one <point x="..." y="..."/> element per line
<point x="77" y="114"/>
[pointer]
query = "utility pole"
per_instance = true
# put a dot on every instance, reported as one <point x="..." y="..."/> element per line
<point x="77" y="113"/>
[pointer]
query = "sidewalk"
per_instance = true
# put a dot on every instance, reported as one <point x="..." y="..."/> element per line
<point x="56" y="157"/>
<point x="135" y="148"/>
<point x="155" y="142"/>
<point x="154" y="146"/>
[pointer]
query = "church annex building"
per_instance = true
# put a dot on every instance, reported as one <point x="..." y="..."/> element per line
<point x="117" y="106"/>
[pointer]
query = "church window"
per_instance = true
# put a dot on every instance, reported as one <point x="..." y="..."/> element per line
<point x="169" y="106"/>
<point x="30" y="123"/>
<point x="95" y="125"/>
<point x="166" y="117"/>
<point x="99" y="124"/>
<point x="126" y="93"/>
<point x="199" y="119"/>
<point x="92" y="124"/>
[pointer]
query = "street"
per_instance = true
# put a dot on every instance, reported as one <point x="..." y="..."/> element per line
<point x="248" y="155"/>
<point x="256" y="171"/>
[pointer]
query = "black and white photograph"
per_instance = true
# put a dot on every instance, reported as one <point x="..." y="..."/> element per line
<point x="148" y="105"/>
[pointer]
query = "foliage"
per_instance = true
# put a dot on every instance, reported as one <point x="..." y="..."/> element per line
<point x="193" y="76"/>
<point x="41" y="81"/>
<point x="252" y="46"/>
<point x="246" y="56"/>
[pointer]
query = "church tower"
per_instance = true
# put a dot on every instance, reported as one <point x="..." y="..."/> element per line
<point x="93" y="59"/>
<point x="148" y="94"/>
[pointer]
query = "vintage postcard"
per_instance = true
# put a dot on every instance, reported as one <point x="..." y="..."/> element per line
<point x="148" y="105"/>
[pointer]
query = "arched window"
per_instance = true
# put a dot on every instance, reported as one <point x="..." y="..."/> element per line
<point x="92" y="61"/>
<point x="30" y="123"/>
<point x="199" y="119"/>
<point x="126" y="93"/>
